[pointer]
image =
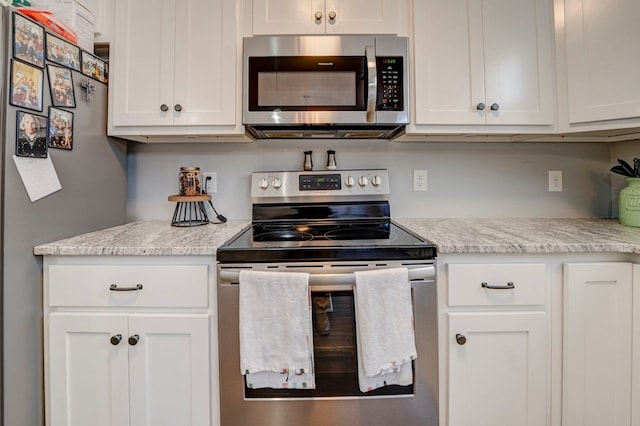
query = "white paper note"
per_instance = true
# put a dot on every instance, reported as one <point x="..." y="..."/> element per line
<point x="38" y="176"/>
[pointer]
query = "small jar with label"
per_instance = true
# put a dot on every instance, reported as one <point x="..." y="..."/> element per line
<point x="190" y="181"/>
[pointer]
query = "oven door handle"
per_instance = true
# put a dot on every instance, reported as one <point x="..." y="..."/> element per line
<point x="336" y="282"/>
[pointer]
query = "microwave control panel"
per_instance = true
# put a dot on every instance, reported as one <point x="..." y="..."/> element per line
<point x="390" y="83"/>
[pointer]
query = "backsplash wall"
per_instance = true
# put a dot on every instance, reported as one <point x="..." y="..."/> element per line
<point x="472" y="179"/>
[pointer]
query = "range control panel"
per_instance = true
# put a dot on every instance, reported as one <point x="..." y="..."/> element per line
<point x="334" y="185"/>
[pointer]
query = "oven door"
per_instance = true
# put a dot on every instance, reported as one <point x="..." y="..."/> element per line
<point x="336" y="375"/>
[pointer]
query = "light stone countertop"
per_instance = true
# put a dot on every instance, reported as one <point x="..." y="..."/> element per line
<point x="527" y="235"/>
<point x="159" y="238"/>
<point x="146" y="238"/>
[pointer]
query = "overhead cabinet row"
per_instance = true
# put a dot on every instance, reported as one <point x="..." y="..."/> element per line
<point x="483" y="67"/>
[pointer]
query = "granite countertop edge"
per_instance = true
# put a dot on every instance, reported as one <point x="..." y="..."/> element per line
<point x="466" y="235"/>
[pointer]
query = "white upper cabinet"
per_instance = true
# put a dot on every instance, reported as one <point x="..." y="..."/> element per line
<point x="602" y="59"/>
<point x="173" y="67"/>
<point x="483" y="62"/>
<point x="325" y="17"/>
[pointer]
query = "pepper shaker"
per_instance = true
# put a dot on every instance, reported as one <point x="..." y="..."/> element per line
<point x="308" y="163"/>
<point x="331" y="160"/>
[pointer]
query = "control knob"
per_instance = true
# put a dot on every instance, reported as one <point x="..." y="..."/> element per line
<point x="350" y="181"/>
<point x="276" y="183"/>
<point x="263" y="183"/>
<point x="376" y="181"/>
<point x="363" y="181"/>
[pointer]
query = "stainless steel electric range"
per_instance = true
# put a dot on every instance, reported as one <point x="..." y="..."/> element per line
<point x="329" y="224"/>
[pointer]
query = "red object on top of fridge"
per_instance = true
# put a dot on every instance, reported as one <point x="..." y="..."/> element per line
<point x="51" y="21"/>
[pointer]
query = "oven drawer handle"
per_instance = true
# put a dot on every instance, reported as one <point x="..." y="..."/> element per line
<point x="337" y="281"/>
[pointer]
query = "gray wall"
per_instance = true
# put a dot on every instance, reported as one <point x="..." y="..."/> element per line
<point x="471" y="179"/>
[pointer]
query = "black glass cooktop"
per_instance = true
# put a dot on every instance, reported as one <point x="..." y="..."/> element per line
<point x="325" y="241"/>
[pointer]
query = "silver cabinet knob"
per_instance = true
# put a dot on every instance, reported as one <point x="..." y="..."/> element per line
<point x="495" y="107"/>
<point x="481" y="106"/>
<point x="318" y="15"/>
<point x="133" y="340"/>
<point x="164" y="108"/>
<point x="461" y="339"/>
<point x="116" y="339"/>
<point x="332" y="15"/>
<point x="178" y="107"/>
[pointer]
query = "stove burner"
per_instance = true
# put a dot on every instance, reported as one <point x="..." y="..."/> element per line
<point x="355" y="231"/>
<point x="283" y="235"/>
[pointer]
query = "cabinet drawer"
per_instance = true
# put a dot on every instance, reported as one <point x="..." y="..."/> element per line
<point x="466" y="284"/>
<point x="162" y="286"/>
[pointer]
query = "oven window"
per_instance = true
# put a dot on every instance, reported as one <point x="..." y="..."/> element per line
<point x="335" y="355"/>
<point x="305" y="89"/>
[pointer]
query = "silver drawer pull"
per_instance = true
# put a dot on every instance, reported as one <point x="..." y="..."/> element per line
<point x="114" y="287"/>
<point x="509" y="286"/>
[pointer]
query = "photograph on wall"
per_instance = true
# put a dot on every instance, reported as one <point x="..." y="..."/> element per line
<point x="60" y="134"/>
<point x="62" y="52"/>
<point x="95" y="67"/>
<point x="26" y="86"/>
<point x="28" y="40"/>
<point x="31" y="139"/>
<point x="61" y="84"/>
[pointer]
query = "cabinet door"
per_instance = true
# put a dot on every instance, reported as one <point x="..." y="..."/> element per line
<point x="499" y="375"/>
<point x="362" y="17"/>
<point x="299" y="17"/>
<point x="449" y="70"/>
<point x="597" y="344"/>
<point x="288" y="17"/>
<point x="470" y="55"/>
<point x="142" y="63"/>
<point x="602" y="59"/>
<point x="205" y="63"/>
<point x="518" y="61"/>
<point x="169" y="370"/>
<point x="88" y="377"/>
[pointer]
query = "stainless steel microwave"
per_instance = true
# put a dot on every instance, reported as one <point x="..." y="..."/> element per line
<point x="325" y="86"/>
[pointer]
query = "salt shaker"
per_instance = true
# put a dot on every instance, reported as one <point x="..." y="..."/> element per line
<point x="331" y="160"/>
<point x="308" y="163"/>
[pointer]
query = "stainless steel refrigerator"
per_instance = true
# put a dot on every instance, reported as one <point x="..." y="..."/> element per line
<point x="93" y="197"/>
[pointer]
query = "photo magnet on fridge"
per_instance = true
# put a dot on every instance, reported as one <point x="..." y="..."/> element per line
<point x="31" y="138"/>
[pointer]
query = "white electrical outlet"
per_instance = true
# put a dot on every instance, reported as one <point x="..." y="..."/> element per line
<point x="210" y="184"/>
<point x="419" y="180"/>
<point x="555" y="180"/>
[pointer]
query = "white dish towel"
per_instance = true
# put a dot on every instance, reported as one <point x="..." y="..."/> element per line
<point x="276" y="340"/>
<point x="384" y="327"/>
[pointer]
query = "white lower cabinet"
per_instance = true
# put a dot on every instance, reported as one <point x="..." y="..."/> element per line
<point x="113" y="369"/>
<point x="598" y="344"/>
<point x="142" y="353"/>
<point x="498" y="344"/>
<point x="497" y="365"/>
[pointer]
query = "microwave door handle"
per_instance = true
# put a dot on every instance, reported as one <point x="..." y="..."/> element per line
<point x="372" y="90"/>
